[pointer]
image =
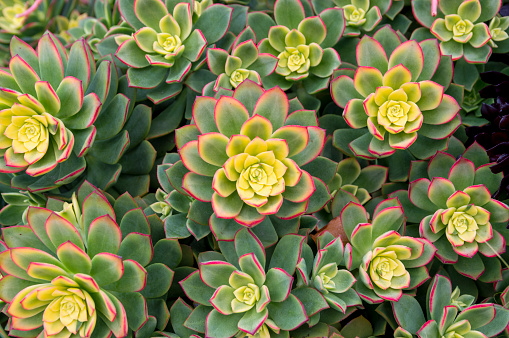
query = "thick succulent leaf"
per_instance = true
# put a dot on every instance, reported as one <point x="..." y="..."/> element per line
<point x="289" y="314"/>
<point x="214" y="22"/>
<point x="370" y="53"/>
<point x="289" y="13"/>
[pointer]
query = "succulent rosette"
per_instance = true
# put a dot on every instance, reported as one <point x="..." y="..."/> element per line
<point x="243" y="63"/>
<point x="387" y="262"/>
<point x="444" y="317"/>
<point x="243" y="155"/>
<point x="334" y="284"/>
<point x="61" y="115"/>
<point x="302" y="46"/>
<point x="246" y="295"/>
<point x="76" y="272"/>
<point x="460" y="27"/>
<point x="360" y="15"/>
<point x="166" y="44"/>
<point x="396" y="102"/>
<point x="498" y="31"/>
<point x="466" y="225"/>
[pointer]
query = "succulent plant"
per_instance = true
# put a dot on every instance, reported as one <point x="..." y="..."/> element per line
<point x="387" y="262"/>
<point x="445" y="317"/>
<point x="244" y="62"/>
<point x="399" y="99"/>
<point x="62" y="115"/>
<point x="494" y="136"/>
<point x="243" y="155"/>
<point x="43" y="110"/>
<point x="460" y="27"/>
<point x="498" y="31"/>
<point x="246" y="294"/>
<point x="360" y="15"/>
<point x="302" y="46"/>
<point x="456" y="212"/>
<point x="167" y="44"/>
<point x="77" y="272"/>
<point x="334" y="284"/>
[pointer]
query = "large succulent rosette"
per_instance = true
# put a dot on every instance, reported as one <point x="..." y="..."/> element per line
<point x="243" y="155"/>
<point x="247" y="295"/>
<point x="167" y="45"/>
<point x="63" y="116"/>
<point x="452" y="202"/>
<point x="460" y="27"/>
<point x="77" y="272"/>
<point x="395" y="99"/>
<point x="302" y="46"/>
<point x="387" y="262"/>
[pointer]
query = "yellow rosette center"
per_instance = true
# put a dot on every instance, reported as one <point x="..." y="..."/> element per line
<point x="384" y="268"/>
<point x="393" y="115"/>
<point x="248" y="295"/>
<point x="354" y="16"/>
<point x="9" y="21"/>
<point x="169" y="43"/>
<point x="238" y="76"/>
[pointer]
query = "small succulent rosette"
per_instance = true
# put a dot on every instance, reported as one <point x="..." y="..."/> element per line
<point x="322" y="274"/>
<point x="167" y="201"/>
<point x="77" y="272"/>
<point x="466" y="225"/>
<point x="387" y="262"/>
<point x="302" y="46"/>
<point x="167" y="44"/>
<point x="247" y="297"/>
<point x="445" y="317"/>
<point x="361" y="16"/>
<point x="498" y="27"/>
<point x="243" y="154"/>
<point x="395" y="98"/>
<point x="244" y="62"/>
<point x="460" y="26"/>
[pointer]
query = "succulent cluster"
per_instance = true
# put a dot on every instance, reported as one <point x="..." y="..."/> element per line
<point x="254" y="168"/>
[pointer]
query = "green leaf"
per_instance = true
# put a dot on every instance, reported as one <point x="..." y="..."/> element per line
<point x="150" y="12"/>
<point x="312" y="300"/>
<point x="25" y="76"/>
<point x="74" y="258"/>
<point x="137" y="247"/>
<point x="335" y="22"/>
<point x="159" y="278"/>
<point x="260" y="23"/>
<point x="106" y="268"/>
<point x="279" y="283"/>
<point x="289" y="13"/>
<point x="214" y="22"/>
<point x="135" y="307"/>
<point x="134" y="221"/>
<point x="289" y="314"/>
<point x="408" y="313"/>
<point x="133" y="279"/>
<point x="50" y="63"/>
<point x="247" y="242"/>
<point x="196" y="289"/>
<point x="197" y="318"/>
<point x="287" y="253"/>
<point x="222" y="326"/>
